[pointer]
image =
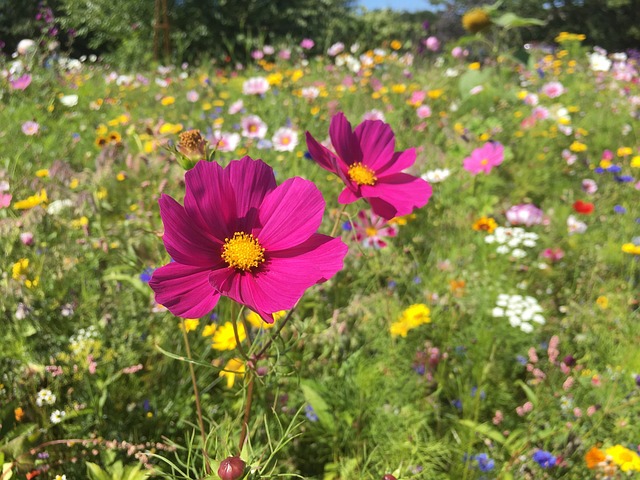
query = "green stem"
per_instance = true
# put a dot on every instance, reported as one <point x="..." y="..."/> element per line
<point x="235" y="319"/>
<point x="197" y="398"/>
<point x="337" y="222"/>
<point x="247" y="409"/>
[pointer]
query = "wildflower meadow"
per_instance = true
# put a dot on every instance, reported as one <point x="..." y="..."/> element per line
<point x="403" y="260"/>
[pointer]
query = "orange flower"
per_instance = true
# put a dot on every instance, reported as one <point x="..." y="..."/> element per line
<point x="18" y="413"/>
<point x="594" y="457"/>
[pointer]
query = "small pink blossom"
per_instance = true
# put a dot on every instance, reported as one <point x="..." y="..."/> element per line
<point x="285" y="140"/>
<point x="5" y="199"/>
<point x="307" y="44"/>
<point x="432" y="43"/>
<point x="498" y="417"/>
<point x="417" y="97"/>
<point x="132" y="369"/>
<point x="284" y="54"/>
<point x="607" y="155"/>
<point x="525" y="214"/>
<point x="26" y="238"/>
<point x="255" y="86"/>
<point x="533" y="355"/>
<point x="335" y="49"/>
<point x="225" y="141"/>
<point x="253" y="127"/>
<point x="568" y="383"/>
<point x="553" y="89"/>
<point x="373" y="115"/>
<point x="483" y="159"/>
<point x="553" y="254"/>
<point x="569" y="156"/>
<point x="21" y="83"/>
<point x="595" y="381"/>
<point x="192" y="96"/>
<point x="370" y="230"/>
<point x="589" y="186"/>
<point x="475" y="90"/>
<point x="423" y="112"/>
<point x="257" y="54"/>
<point x="591" y="410"/>
<point x="236" y="107"/>
<point x="30" y="128"/>
<point x="577" y="412"/>
<point x="459" y="52"/>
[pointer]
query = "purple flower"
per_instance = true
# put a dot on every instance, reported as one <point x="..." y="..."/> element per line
<point x="544" y="459"/>
<point x="307" y="44"/>
<point x="524" y="214"/>
<point x="484" y="463"/>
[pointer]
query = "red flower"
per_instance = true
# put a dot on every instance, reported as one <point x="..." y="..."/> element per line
<point x="585" y="208"/>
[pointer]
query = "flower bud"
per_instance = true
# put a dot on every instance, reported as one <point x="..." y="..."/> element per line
<point x="388" y="476"/>
<point x="231" y="468"/>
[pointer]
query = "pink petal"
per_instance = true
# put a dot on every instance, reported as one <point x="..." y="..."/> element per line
<point x="290" y="214"/>
<point x="210" y="200"/>
<point x="397" y="195"/>
<point x="377" y="143"/>
<point x="283" y="279"/>
<point x="184" y="241"/>
<point x="252" y="180"/>
<point x="347" y="196"/>
<point x="399" y="161"/>
<point x="321" y="154"/>
<point x="184" y="290"/>
<point x="343" y="139"/>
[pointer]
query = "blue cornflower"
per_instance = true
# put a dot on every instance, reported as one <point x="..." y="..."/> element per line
<point x="308" y="156"/>
<point x="623" y="178"/>
<point x="522" y="360"/>
<point x="485" y="463"/>
<point x="598" y="170"/>
<point x="347" y="226"/>
<point x="619" y="209"/>
<point x="310" y="413"/>
<point x="145" y="276"/>
<point x="614" y="169"/>
<point x="544" y="459"/>
<point x="457" y="403"/>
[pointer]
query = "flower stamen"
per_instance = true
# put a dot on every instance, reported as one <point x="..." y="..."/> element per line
<point x="361" y="174"/>
<point x="243" y="251"/>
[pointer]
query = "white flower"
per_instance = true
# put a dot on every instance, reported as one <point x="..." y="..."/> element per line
<point x="599" y="63"/>
<point x="575" y="226"/>
<point x="253" y="127"/>
<point x="520" y="311"/>
<point x="335" y="49"/>
<point x="45" y="397"/>
<point x="57" y="416"/>
<point x="69" y="100"/>
<point x="226" y="142"/>
<point x="310" y="93"/>
<point x="436" y="176"/>
<point x="57" y="206"/>
<point x="255" y="86"/>
<point x="285" y="140"/>
<point x="25" y="46"/>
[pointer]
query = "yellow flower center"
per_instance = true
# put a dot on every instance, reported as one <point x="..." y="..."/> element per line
<point x="371" y="232"/>
<point x="243" y="251"/>
<point x="362" y="175"/>
<point x="484" y="161"/>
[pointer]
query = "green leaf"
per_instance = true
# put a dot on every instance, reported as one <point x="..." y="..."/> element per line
<point x="96" y="473"/>
<point x="470" y="79"/>
<point x="511" y="20"/>
<point x="528" y="392"/>
<point x="7" y="473"/>
<point x="320" y="407"/>
<point x="484" y="429"/>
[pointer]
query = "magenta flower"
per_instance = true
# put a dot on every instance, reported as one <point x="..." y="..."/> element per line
<point x="483" y="159"/>
<point x="366" y="162"/>
<point x="241" y="236"/>
<point x="307" y="43"/>
<point x="21" y="83"/>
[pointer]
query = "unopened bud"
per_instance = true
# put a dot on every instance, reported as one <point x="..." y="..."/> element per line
<point x="388" y="476"/>
<point x="231" y="468"/>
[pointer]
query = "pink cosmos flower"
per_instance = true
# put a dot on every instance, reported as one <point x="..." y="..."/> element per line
<point x="241" y="236"/>
<point x="524" y="214"/>
<point x="366" y="162"/>
<point x="307" y="44"/>
<point x="225" y="141"/>
<point x="30" y="128"/>
<point x="192" y="96"/>
<point x="253" y="127"/>
<point x="236" y="107"/>
<point x="371" y="229"/>
<point x="373" y="114"/>
<point x="285" y="140"/>
<point x="459" y="52"/>
<point x="423" y="112"/>
<point x="335" y="49"/>
<point x="255" y="86"/>
<point x="284" y="54"/>
<point x="553" y="89"/>
<point x="21" y="83"/>
<point x="483" y="159"/>
<point x="432" y="43"/>
<point x="5" y="199"/>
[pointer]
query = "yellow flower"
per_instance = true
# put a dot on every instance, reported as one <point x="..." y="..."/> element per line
<point x="626" y="459"/>
<point x="275" y="79"/>
<point x="189" y="324"/>
<point x="43" y="172"/>
<point x="121" y="176"/>
<point x="624" y="151"/>
<point x="475" y="20"/>
<point x="412" y="317"/>
<point x="32" y="201"/>
<point x="168" y="100"/>
<point x="316" y="110"/>
<point x="602" y="302"/>
<point x="297" y="75"/>
<point x="474" y="66"/>
<point x="20" y="268"/>
<point x="399" y="88"/>
<point x="73" y="184"/>
<point x="631" y="248"/>
<point x="224" y="337"/>
<point x="434" y="94"/>
<point x="80" y="222"/>
<point x="396" y="44"/>
<point x="635" y="162"/>
<point x="18" y="413"/>
<point x="254" y="319"/>
<point x="577" y="147"/>
<point x="101" y="130"/>
<point x="102" y="193"/>
<point x="234" y="367"/>
<point x="114" y="137"/>
<point x="209" y="330"/>
<point x="485" y="224"/>
<point x="171" y="128"/>
<point x="400" y="221"/>
<point x="32" y="283"/>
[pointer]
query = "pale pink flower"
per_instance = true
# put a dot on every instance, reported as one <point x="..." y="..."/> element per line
<point x="5" y="199"/>
<point x="30" y="128"/>
<point x="553" y="89"/>
<point x="253" y="127"/>
<point x="577" y="412"/>
<point x="192" y="96"/>
<point x="310" y="93"/>
<point x="432" y="43"/>
<point x="373" y="115"/>
<point x="459" y="52"/>
<point x="531" y="99"/>
<point x="284" y="54"/>
<point x="540" y="113"/>
<point x="268" y="50"/>
<point x="591" y="410"/>
<point x="257" y="54"/>
<point x="498" y="417"/>
<point x="533" y="355"/>
<point x="423" y="112"/>
<point x="575" y="226"/>
<point x="20" y="83"/>
<point x="371" y="229"/>
<point x="225" y="141"/>
<point x="524" y="214"/>
<point x="26" y="238"/>
<point x="417" y="97"/>
<point x="475" y="90"/>
<point x="568" y="383"/>
<point x="285" y="140"/>
<point x="569" y="156"/>
<point x="335" y="49"/>
<point x="255" y="86"/>
<point x="236" y="107"/>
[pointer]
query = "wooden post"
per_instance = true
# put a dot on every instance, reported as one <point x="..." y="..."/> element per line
<point x="161" y="22"/>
